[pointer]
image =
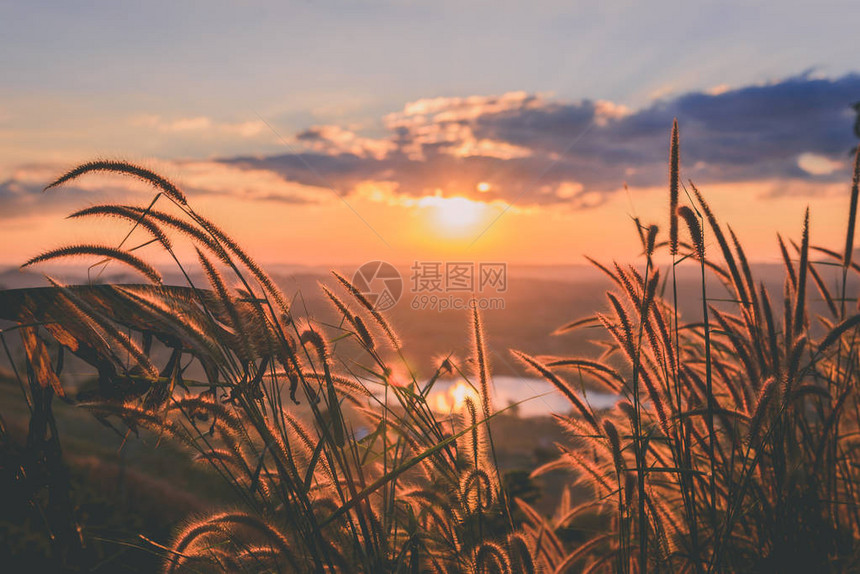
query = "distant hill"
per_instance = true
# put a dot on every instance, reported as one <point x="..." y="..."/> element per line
<point x="538" y="300"/>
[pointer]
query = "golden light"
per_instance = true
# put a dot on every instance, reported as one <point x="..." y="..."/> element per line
<point x="484" y="187"/>
<point x="454" y="215"/>
<point x="454" y="398"/>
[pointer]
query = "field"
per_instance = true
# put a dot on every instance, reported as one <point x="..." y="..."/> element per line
<point x="225" y="417"/>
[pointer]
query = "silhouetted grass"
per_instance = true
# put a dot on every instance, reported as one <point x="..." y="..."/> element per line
<point x="733" y="447"/>
<point x="743" y="443"/>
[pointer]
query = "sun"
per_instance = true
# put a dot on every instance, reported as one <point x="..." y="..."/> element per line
<point x="454" y="216"/>
<point x="458" y="213"/>
<point x="454" y="398"/>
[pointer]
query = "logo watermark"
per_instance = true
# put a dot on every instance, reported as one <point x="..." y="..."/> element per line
<point x="454" y="303"/>
<point x="436" y="285"/>
<point x="380" y="283"/>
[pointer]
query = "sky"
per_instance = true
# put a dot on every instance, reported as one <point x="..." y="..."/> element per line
<point x="339" y="132"/>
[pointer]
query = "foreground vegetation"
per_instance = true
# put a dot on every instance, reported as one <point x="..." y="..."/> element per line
<point x="732" y="448"/>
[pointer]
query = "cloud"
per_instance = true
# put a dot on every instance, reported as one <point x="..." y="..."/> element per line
<point x="533" y="149"/>
<point x="21" y="192"/>
<point x="335" y="140"/>
<point x="792" y="136"/>
<point x="200" y="125"/>
<point x="815" y="164"/>
<point x="217" y="178"/>
<point x="22" y="195"/>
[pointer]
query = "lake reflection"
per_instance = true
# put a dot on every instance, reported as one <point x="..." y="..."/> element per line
<point x="540" y="397"/>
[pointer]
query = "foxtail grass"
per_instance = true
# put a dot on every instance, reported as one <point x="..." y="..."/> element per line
<point x="732" y="448"/>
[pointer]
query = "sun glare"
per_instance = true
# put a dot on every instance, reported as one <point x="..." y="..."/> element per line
<point x="454" y="398"/>
<point x="453" y="216"/>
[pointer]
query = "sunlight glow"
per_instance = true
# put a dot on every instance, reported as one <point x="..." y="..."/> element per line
<point x="454" y="398"/>
<point x="454" y="215"/>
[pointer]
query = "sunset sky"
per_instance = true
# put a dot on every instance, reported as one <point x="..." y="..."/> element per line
<point x="334" y="132"/>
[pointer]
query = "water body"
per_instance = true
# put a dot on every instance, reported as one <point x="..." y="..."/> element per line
<point x="536" y="397"/>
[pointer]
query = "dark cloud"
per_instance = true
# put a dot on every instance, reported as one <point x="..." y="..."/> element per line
<point x="529" y="148"/>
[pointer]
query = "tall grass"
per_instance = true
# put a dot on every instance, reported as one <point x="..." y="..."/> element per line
<point x="733" y="447"/>
<point x="337" y="466"/>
